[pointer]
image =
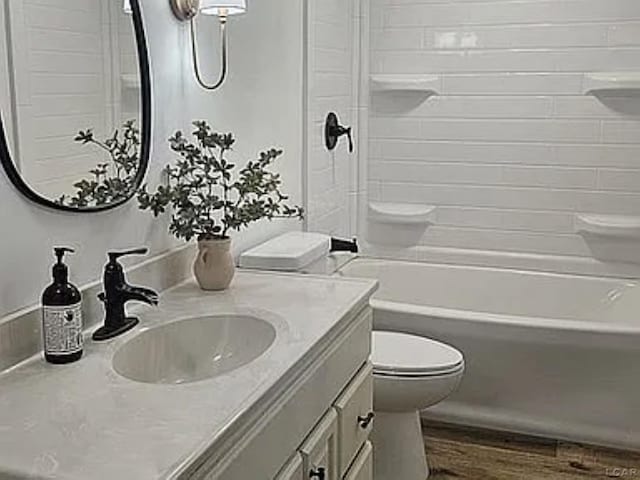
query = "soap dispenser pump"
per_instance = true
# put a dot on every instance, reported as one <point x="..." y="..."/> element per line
<point x="62" y="315"/>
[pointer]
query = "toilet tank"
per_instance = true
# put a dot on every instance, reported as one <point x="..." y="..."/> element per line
<point x="290" y="252"/>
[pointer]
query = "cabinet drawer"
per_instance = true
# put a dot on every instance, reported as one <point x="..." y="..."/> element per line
<point x="320" y="449"/>
<point x="292" y="470"/>
<point x="355" y="410"/>
<point x="362" y="468"/>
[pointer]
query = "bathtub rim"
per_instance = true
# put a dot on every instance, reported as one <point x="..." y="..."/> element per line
<point x="525" y="322"/>
<point x="522" y="321"/>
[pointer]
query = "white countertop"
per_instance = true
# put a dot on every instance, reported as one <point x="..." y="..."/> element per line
<point x="84" y="421"/>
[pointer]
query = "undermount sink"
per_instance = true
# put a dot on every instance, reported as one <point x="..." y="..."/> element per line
<point x="194" y="349"/>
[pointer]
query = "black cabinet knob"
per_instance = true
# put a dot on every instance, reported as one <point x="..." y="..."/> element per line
<point x="319" y="473"/>
<point x="364" y="422"/>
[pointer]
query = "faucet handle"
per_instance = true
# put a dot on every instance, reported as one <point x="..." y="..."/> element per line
<point x="114" y="256"/>
<point x="333" y="131"/>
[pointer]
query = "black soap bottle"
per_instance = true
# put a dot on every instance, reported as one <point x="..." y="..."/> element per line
<point x="62" y="316"/>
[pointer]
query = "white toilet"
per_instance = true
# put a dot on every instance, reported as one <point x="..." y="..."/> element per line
<point x="411" y="373"/>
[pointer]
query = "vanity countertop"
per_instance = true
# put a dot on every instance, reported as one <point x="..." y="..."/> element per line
<point x="84" y="421"/>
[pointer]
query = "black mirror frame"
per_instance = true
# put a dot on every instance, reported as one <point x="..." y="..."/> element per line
<point x="146" y="129"/>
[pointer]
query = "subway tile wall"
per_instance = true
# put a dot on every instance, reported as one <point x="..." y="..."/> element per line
<point x="511" y="149"/>
<point x="332" y="87"/>
<point x="66" y="81"/>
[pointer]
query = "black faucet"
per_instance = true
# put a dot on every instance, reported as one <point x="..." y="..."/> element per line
<point x="338" y="245"/>
<point x="333" y="131"/>
<point x="117" y="292"/>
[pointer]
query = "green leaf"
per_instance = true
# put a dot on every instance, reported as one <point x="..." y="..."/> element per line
<point x="206" y="198"/>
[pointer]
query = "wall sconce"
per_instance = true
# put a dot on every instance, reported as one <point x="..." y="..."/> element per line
<point x="187" y="10"/>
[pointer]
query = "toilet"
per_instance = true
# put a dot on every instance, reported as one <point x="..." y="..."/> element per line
<point x="411" y="373"/>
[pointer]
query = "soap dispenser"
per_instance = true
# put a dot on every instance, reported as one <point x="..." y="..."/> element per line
<point x="62" y="315"/>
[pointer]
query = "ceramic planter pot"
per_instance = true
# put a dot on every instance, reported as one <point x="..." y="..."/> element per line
<point x="214" y="267"/>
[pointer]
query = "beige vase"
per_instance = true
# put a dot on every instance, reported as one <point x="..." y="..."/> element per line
<point x="214" y="267"/>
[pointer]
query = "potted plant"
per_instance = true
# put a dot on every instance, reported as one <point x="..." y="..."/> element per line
<point x="209" y="199"/>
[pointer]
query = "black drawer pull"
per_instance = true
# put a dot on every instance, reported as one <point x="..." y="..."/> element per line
<point x="364" y="422"/>
<point x="318" y="473"/>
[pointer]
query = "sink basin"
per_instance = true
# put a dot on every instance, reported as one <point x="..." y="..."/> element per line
<point x="194" y="349"/>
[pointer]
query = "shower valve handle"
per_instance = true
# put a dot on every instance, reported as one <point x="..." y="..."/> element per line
<point x="333" y="131"/>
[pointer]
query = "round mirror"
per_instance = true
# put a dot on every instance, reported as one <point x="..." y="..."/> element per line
<point x="75" y="101"/>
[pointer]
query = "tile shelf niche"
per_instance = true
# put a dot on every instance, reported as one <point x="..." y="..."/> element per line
<point x="622" y="84"/>
<point x="618" y="226"/>
<point x="428" y="85"/>
<point x="401" y="213"/>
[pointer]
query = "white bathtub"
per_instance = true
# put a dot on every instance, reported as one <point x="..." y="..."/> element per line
<point x="550" y="355"/>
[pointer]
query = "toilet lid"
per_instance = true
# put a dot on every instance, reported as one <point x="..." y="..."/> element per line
<point x="400" y="353"/>
<point x="290" y="252"/>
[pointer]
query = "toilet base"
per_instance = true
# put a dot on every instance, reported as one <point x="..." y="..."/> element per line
<point x="398" y="447"/>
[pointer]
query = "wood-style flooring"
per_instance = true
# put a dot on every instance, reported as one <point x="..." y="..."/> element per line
<point x="464" y="453"/>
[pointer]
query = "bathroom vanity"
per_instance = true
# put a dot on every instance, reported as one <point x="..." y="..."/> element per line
<point x="317" y="429"/>
<point x="296" y="407"/>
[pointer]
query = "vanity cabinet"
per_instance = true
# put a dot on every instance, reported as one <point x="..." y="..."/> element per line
<point x="338" y="447"/>
<point x="314" y="428"/>
<point x="355" y="417"/>
<point x="320" y="450"/>
<point x="362" y="467"/>
<point x="293" y="470"/>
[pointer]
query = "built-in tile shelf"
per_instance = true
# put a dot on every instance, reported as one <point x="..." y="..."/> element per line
<point x="130" y="82"/>
<point x="428" y="85"/>
<point x="612" y="84"/>
<point x="401" y="213"/>
<point x="619" y="226"/>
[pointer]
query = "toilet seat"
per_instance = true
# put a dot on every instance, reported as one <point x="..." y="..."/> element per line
<point x="402" y="355"/>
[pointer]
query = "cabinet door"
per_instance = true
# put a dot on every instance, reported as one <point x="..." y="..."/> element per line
<point x="362" y="467"/>
<point x="292" y="470"/>
<point x="319" y="451"/>
<point x="355" y="417"/>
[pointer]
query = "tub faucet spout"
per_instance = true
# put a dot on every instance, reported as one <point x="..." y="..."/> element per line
<point x="339" y="245"/>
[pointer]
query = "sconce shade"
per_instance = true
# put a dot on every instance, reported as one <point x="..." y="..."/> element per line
<point x="127" y="7"/>
<point x="223" y="7"/>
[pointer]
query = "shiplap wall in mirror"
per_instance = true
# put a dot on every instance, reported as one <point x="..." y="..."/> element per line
<point x="73" y="115"/>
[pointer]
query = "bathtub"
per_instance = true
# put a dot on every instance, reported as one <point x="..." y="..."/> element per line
<point x="550" y="355"/>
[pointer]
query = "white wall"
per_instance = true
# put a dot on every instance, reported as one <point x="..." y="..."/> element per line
<point x="249" y="105"/>
<point x="332" y="75"/>
<point x="511" y="149"/>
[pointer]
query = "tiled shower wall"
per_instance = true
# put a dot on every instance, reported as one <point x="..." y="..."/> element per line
<point x="332" y="86"/>
<point x="511" y="148"/>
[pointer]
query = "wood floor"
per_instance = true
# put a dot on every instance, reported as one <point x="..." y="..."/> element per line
<point x="461" y="453"/>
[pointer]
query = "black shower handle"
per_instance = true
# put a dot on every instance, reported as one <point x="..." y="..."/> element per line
<point x="350" y="137"/>
<point x="333" y="131"/>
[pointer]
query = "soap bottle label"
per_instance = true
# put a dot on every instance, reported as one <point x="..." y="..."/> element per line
<point x="63" y="329"/>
